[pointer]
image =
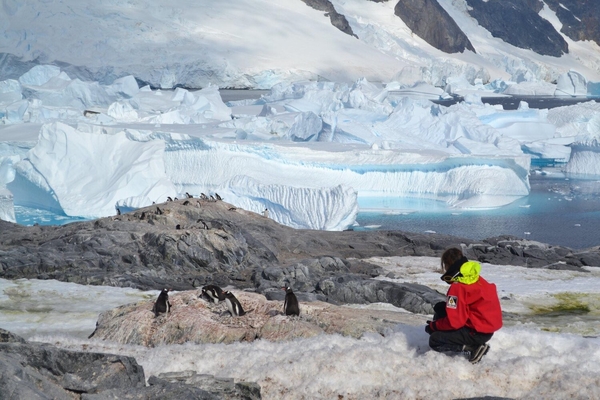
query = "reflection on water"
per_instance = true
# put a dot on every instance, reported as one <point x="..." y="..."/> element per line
<point x="558" y="211"/>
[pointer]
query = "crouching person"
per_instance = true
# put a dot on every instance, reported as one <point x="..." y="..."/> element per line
<point x="471" y="314"/>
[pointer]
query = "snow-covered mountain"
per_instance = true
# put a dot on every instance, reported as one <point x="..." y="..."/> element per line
<point x="258" y="43"/>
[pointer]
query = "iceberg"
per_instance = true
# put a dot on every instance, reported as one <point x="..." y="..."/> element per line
<point x="87" y="174"/>
<point x="313" y="153"/>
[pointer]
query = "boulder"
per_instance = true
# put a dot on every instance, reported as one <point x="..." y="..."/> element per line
<point x="41" y="371"/>
<point x="193" y="319"/>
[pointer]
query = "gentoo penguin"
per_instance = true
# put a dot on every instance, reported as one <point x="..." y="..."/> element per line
<point x="290" y="305"/>
<point x="213" y="293"/>
<point x="169" y="198"/>
<point x="162" y="305"/>
<point x="217" y="196"/>
<point x="233" y="304"/>
<point x="189" y="196"/>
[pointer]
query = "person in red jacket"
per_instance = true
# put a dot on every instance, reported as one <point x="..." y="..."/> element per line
<point x="471" y="313"/>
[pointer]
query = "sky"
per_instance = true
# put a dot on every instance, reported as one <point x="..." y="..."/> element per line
<point x="531" y="356"/>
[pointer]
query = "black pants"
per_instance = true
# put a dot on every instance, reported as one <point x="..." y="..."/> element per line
<point x="455" y="340"/>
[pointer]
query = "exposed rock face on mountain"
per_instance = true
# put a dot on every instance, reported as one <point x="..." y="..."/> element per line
<point x="40" y="371"/>
<point x="189" y="243"/>
<point x="580" y="18"/>
<point x="428" y="20"/>
<point x="195" y="320"/>
<point x="518" y="22"/>
<point x="337" y="19"/>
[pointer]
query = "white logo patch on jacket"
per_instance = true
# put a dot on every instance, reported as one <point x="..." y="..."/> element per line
<point x="452" y="302"/>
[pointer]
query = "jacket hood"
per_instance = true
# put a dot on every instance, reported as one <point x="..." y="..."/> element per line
<point x="463" y="271"/>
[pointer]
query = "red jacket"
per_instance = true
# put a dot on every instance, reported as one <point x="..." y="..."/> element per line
<point x="471" y="301"/>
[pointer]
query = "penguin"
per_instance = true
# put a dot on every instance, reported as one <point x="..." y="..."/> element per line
<point x="213" y="293"/>
<point x="169" y="198"/>
<point x="217" y="196"/>
<point x="162" y="305"/>
<point x="203" y="196"/>
<point x="233" y="304"/>
<point x="185" y="203"/>
<point x="189" y="196"/>
<point x="159" y="211"/>
<point x="290" y="305"/>
<point x="212" y="198"/>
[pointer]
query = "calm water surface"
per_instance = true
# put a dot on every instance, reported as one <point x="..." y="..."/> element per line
<point x="558" y="211"/>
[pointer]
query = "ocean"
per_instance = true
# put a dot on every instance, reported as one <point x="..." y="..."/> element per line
<point x="559" y="211"/>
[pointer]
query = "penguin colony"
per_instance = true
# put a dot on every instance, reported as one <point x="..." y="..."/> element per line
<point x="215" y="294"/>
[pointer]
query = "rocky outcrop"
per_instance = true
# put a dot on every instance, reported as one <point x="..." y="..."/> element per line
<point x="428" y="20"/>
<point x="580" y="18"/>
<point x="41" y="371"/>
<point x="338" y="20"/>
<point x="518" y="22"/>
<point x="186" y="244"/>
<point x="195" y="320"/>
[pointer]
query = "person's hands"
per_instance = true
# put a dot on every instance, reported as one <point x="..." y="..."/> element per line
<point x="430" y="327"/>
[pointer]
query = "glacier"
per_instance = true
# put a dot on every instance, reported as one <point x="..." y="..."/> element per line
<point x="310" y="152"/>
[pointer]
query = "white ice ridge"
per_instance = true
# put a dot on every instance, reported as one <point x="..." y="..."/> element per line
<point x="86" y="174"/>
<point x="310" y="152"/>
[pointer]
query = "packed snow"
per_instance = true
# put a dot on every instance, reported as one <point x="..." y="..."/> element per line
<point x="539" y="353"/>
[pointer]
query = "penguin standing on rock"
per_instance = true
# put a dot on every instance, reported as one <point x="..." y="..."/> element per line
<point x="290" y="305"/>
<point x="213" y="293"/>
<point x="162" y="305"/>
<point x="233" y="304"/>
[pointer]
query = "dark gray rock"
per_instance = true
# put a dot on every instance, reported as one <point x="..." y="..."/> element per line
<point x="225" y="388"/>
<point x="518" y="23"/>
<point x="247" y="251"/>
<point x="580" y="18"/>
<point x="428" y="20"/>
<point x="32" y="371"/>
<point x="338" y="20"/>
<point x="41" y="371"/>
<point x="9" y="337"/>
<point x="158" y="389"/>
